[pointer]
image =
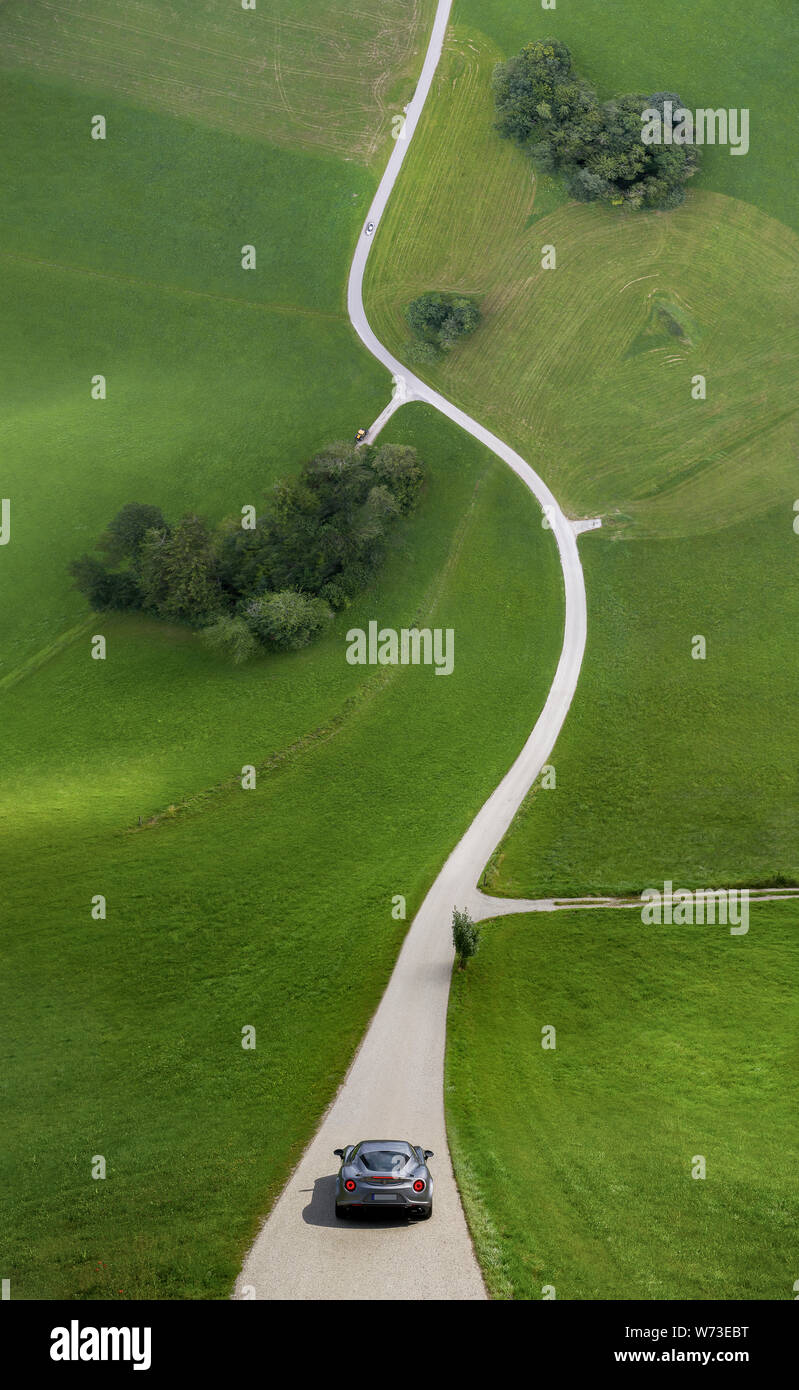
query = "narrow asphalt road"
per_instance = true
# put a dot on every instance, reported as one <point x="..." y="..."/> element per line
<point x="395" y="1086"/>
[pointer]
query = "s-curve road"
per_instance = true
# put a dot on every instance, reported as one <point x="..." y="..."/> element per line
<point x="395" y="1086"/>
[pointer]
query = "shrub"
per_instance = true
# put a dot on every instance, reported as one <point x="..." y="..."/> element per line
<point x="421" y="352"/>
<point x="103" y="589"/>
<point x="233" y="638"/>
<point x="287" y="620"/>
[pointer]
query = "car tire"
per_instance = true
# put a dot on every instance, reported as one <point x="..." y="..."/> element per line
<point x="425" y="1215"/>
<point x="342" y="1212"/>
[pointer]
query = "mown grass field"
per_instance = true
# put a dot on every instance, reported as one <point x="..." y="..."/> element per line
<point x="575" y="1163"/>
<point x="269" y="907"/>
<point x="316" y="76"/>
<point x="672" y="758"/>
<point x="712" y="54"/>
<point x="572" y="365"/>
<point x="123" y="258"/>
<point x="667" y="766"/>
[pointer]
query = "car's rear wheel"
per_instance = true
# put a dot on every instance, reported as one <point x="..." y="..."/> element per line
<point x="425" y="1215"/>
<point x="342" y="1212"/>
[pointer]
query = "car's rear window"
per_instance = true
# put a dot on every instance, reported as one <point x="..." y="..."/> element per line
<point x="384" y="1160"/>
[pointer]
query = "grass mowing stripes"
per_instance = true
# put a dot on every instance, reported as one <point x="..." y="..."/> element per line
<point x="573" y="365"/>
<point x="315" y="76"/>
<point x="710" y="53"/>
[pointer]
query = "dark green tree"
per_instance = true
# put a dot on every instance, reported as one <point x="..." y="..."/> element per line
<point x="438" y="320"/>
<point x="178" y="573"/>
<point x="124" y="537"/>
<point x="399" y="468"/>
<point x="101" y="587"/>
<point x="543" y="104"/>
<point x="538" y="90"/>
<point x="466" y="936"/>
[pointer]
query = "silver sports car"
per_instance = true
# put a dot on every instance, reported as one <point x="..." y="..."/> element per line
<point x="384" y="1172"/>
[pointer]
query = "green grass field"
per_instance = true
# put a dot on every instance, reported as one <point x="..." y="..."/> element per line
<point x="571" y="365"/>
<point x="164" y="719"/>
<point x="671" y="767"/>
<point x="575" y="1163"/>
<point x="664" y="761"/>
<point x="318" y="76"/>
<point x="667" y="767"/>
<point x="218" y="379"/>
<point x="711" y="53"/>
<point x="270" y="907"/>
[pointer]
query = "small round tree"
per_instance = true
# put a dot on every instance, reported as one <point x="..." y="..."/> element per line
<point x="465" y="935"/>
<point x="288" y="620"/>
<point x="125" y="535"/>
<point x="400" y="469"/>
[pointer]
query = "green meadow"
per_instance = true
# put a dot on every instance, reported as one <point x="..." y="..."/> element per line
<point x="667" y="767"/>
<point x="164" y="720"/>
<point x="577" y="366"/>
<point x="665" y="763"/>
<point x="712" y="54"/>
<point x="270" y="908"/>
<point x="687" y="765"/>
<point x="318" y="76"/>
<point x="575" y="1163"/>
<point x="225" y="908"/>
<point x="218" y="379"/>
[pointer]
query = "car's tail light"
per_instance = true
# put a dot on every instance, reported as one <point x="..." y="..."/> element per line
<point x="418" y="1186"/>
<point x="350" y="1185"/>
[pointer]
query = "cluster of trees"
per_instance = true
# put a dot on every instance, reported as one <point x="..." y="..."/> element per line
<point x="545" y="106"/>
<point x="437" y="321"/>
<point x="269" y="581"/>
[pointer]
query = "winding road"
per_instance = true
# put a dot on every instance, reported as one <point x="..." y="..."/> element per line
<point x="395" y="1085"/>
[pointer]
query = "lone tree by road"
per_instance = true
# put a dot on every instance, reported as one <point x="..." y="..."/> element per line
<point x="466" y="936"/>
